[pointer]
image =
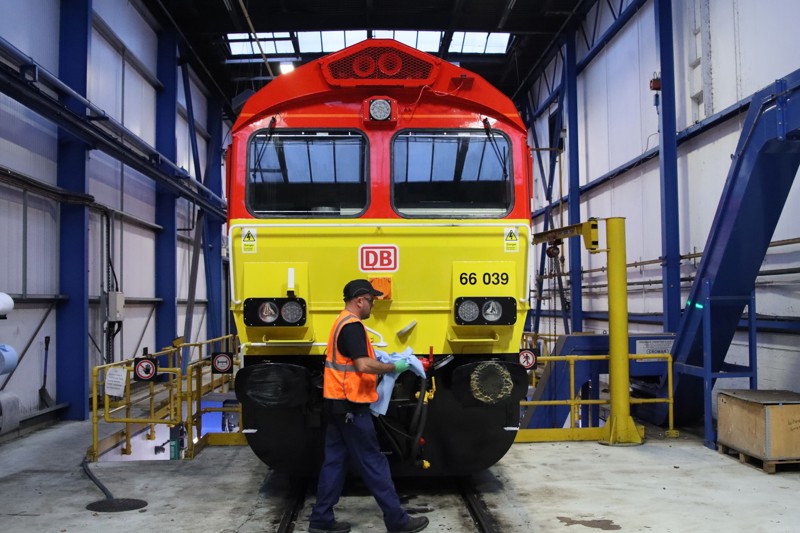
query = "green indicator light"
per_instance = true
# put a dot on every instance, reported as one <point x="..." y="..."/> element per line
<point x="698" y="305"/>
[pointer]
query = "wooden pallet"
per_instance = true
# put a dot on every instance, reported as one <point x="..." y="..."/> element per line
<point x="767" y="465"/>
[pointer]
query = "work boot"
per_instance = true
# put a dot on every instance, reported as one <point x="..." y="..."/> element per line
<point x="414" y="524"/>
<point x="336" y="527"/>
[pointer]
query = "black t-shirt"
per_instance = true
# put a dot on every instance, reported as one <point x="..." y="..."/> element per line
<point x="352" y="342"/>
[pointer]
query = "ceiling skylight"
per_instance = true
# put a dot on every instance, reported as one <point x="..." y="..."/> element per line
<point x="315" y="42"/>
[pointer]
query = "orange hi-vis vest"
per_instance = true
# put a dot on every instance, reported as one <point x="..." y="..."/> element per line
<point x="341" y="380"/>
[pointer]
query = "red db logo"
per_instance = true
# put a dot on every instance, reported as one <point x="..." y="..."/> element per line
<point x="378" y="258"/>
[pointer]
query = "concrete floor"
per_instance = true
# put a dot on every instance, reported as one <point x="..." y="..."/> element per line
<point x="662" y="486"/>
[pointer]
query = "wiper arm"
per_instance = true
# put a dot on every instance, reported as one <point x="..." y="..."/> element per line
<point x="263" y="147"/>
<point x="500" y="157"/>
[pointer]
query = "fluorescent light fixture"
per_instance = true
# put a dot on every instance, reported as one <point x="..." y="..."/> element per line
<point x="286" y="67"/>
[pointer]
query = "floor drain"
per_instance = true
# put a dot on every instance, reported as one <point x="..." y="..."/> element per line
<point x="116" y="505"/>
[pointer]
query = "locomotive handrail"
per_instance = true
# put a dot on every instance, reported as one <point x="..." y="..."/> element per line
<point x="287" y="343"/>
<point x="475" y="340"/>
<point x="381" y="343"/>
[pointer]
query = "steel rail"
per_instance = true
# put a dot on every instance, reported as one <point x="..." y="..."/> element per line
<point x="481" y="515"/>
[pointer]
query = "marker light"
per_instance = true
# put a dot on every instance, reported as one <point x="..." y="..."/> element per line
<point x="268" y="312"/>
<point x="380" y="109"/>
<point x="292" y="312"/>
<point x="492" y="311"/>
<point x="468" y="311"/>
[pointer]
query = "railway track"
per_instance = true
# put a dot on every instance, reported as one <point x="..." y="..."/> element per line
<point x="452" y="502"/>
<point x="485" y="522"/>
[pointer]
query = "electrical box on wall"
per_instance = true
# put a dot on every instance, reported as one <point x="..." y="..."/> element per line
<point x="116" y="306"/>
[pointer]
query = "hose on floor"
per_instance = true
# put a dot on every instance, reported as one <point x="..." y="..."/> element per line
<point x="85" y="466"/>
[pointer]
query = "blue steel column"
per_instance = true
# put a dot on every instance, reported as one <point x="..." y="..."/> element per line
<point x="576" y="284"/>
<point x="72" y="322"/>
<point x="166" y="262"/>
<point x="212" y="231"/>
<point x="670" y="243"/>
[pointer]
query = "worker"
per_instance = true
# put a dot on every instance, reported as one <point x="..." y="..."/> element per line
<point x="350" y="386"/>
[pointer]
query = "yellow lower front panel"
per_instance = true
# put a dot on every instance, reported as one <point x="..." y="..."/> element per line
<point x="423" y="267"/>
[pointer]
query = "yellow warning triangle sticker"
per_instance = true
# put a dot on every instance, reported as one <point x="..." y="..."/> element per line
<point x="248" y="237"/>
<point x="511" y="236"/>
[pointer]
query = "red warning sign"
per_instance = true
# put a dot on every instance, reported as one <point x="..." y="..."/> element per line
<point x="221" y="363"/>
<point x="527" y="358"/>
<point x="145" y="369"/>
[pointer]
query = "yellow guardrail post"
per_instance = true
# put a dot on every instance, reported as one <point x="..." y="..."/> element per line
<point x="620" y="428"/>
<point x="94" y="453"/>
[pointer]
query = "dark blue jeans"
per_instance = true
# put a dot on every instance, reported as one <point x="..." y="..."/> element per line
<point x="357" y="440"/>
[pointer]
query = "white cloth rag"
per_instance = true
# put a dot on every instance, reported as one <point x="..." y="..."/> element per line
<point x="385" y="387"/>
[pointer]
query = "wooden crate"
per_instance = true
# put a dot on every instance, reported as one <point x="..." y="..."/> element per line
<point x="760" y="423"/>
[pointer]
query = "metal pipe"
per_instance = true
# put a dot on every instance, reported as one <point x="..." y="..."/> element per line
<point x="38" y="101"/>
<point x="619" y="428"/>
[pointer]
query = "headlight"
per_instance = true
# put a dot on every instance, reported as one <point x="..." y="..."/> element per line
<point x="292" y="312"/>
<point x="485" y="311"/>
<point x="492" y="311"/>
<point x="274" y="312"/>
<point x="468" y="311"/>
<point x="268" y="312"/>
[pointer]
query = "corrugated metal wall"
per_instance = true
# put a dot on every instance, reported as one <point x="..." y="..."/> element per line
<point x="122" y="66"/>
<point x="724" y="52"/>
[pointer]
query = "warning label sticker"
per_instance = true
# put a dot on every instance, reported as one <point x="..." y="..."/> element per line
<point x="249" y="242"/>
<point x="511" y="240"/>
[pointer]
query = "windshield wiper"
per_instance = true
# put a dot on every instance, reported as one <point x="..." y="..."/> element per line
<point x="500" y="157"/>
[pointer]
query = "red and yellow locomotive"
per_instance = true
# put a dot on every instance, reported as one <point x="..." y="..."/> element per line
<point x="385" y="163"/>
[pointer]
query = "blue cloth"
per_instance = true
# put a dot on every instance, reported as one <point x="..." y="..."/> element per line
<point x="385" y="387"/>
<point x="353" y="436"/>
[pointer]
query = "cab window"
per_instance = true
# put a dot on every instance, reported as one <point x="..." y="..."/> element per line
<point x="451" y="173"/>
<point x="307" y="173"/>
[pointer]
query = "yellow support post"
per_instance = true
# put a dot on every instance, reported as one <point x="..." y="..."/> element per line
<point x="620" y="429"/>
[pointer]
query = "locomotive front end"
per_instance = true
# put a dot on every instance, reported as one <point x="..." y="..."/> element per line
<point x="384" y="163"/>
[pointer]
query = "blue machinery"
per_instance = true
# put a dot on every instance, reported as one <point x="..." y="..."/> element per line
<point x="762" y="171"/>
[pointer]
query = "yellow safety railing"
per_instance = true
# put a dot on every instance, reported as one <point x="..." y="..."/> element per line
<point x="574" y="432"/>
<point x="175" y="401"/>
<point x="201" y="381"/>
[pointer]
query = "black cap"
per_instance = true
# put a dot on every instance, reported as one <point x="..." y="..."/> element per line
<point x="359" y="287"/>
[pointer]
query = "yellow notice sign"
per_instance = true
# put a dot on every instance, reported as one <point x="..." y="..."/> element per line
<point x="249" y="241"/>
<point x="511" y="239"/>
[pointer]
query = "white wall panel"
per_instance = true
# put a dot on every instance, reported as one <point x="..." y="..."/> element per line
<point x="199" y="100"/>
<point x="140" y="195"/>
<point x="138" y="258"/>
<point x="592" y="123"/>
<point x="703" y="165"/>
<point x="105" y="76"/>
<point x="138" y="330"/>
<point x="104" y="175"/>
<point x="28" y="143"/>
<point x="129" y="26"/>
<point x="184" y="271"/>
<point x="139" y="106"/>
<point x="199" y="326"/>
<point x="11" y="220"/>
<point x="617" y="118"/>
<point x="33" y="27"/>
<point x="43" y="248"/>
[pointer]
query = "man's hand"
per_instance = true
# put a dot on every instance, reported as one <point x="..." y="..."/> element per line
<point x="401" y="366"/>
